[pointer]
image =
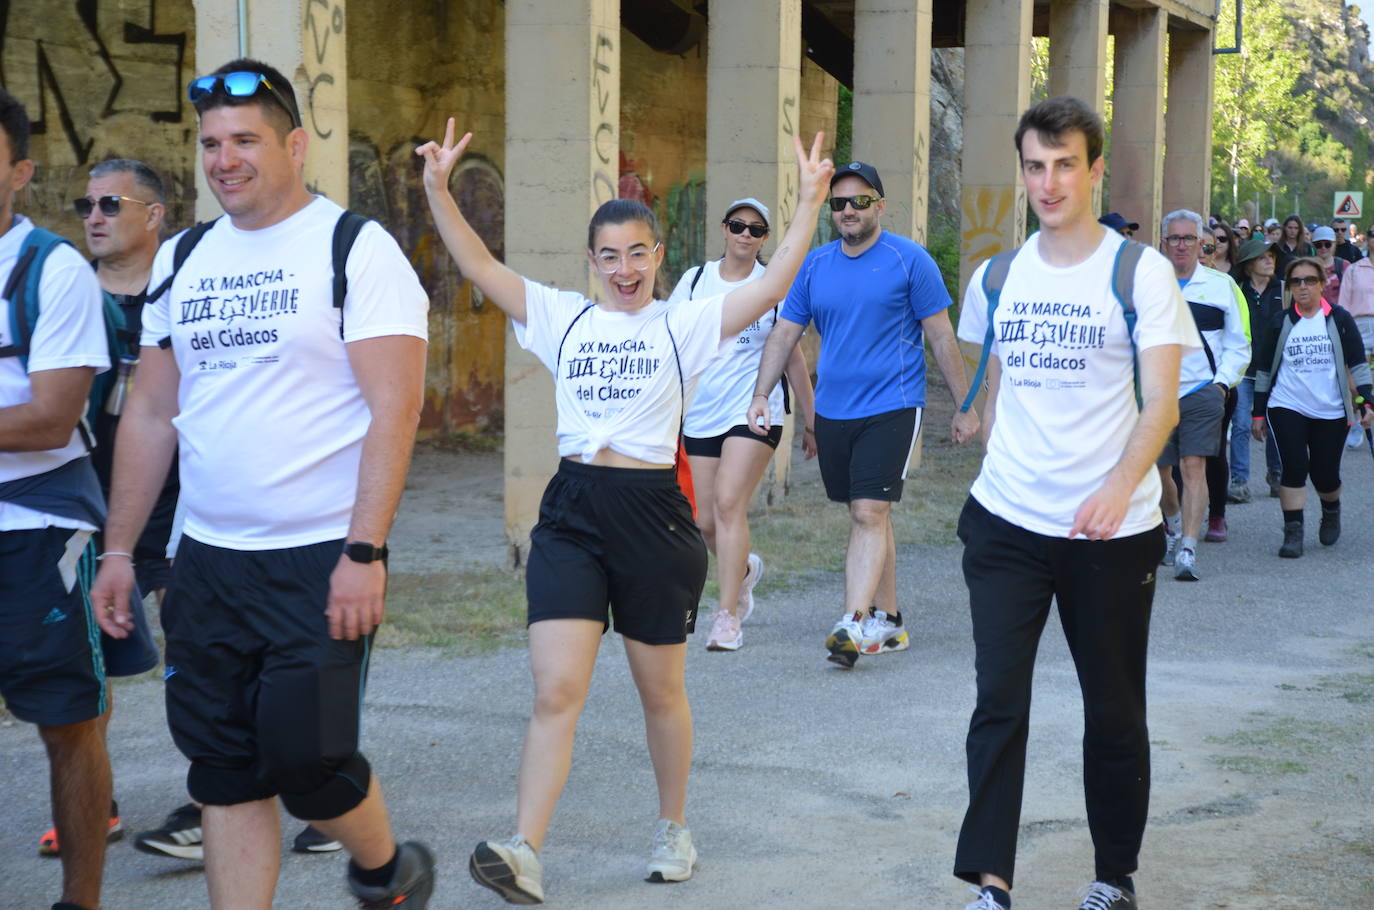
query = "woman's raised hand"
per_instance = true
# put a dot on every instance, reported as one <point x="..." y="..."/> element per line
<point x="814" y="170"/>
<point x="440" y="159"/>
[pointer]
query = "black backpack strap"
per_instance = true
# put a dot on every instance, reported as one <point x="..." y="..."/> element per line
<point x="682" y="390"/>
<point x="185" y="244"/>
<point x="695" y="278"/>
<point x="345" y="232"/>
<point x="558" y="359"/>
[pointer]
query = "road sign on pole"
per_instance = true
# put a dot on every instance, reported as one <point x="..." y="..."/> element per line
<point x="1348" y="204"/>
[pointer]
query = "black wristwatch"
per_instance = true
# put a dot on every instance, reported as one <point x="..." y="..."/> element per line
<point x="362" y="551"/>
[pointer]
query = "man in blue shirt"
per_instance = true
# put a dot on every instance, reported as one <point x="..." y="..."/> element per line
<point x="873" y="296"/>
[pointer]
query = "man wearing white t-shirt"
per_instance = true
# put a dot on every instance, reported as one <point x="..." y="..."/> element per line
<point x="294" y="421"/>
<point x="1065" y="508"/>
<point x="52" y="672"/>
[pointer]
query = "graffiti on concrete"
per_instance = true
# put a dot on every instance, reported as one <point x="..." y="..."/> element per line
<point x="787" y="205"/>
<point x="991" y="222"/>
<point x="77" y="64"/>
<point x="684" y="227"/>
<point x="605" y="138"/>
<point x="324" y="24"/>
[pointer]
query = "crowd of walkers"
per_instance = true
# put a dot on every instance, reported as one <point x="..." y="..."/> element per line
<point x="253" y="470"/>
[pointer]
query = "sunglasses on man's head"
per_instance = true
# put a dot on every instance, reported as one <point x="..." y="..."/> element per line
<point x="109" y="205"/>
<point x="242" y="84"/>
<point x="739" y="227"/>
<point x="837" y="203"/>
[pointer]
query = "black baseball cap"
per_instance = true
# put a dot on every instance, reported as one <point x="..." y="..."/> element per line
<point x="1116" y="222"/>
<point x="858" y="169"/>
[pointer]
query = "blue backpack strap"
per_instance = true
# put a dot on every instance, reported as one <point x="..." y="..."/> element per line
<point x="994" y="278"/>
<point x="1123" y="288"/>
<point x="21" y="290"/>
<point x="345" y="233"/>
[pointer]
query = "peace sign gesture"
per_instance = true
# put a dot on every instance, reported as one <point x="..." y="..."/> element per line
<point x="814" y="171"/>
<point x="440" y="159"/>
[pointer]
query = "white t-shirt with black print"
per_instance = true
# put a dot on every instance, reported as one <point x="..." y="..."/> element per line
<point x="616" y="382"/>
<point x="271" y="419"/>
<point x="1306" y="381"/>
<point x="1066" y="404"/>
<point x="726" y="388"/>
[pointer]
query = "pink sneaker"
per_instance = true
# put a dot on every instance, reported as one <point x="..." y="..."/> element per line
<point x="725" y="633"/>
<point x="753" y="571"/>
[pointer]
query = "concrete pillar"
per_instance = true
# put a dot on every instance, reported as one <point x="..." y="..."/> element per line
<point x="305" y="40"/>
<point x="892" y="105"/>
<point x="997" y="35"/>
<point x="562" y="161"/>
<point x="1078" y="56"/>
<point x="1135" y="167"/>
<point x="753" y="106"/>
<point x="1188" y="121"/>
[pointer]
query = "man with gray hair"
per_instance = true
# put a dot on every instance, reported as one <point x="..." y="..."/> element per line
<point x="1205" y="381"/>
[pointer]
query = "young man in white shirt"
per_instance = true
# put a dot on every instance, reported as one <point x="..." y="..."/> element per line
<point x="1065" y="508"/>
<point x="295" y="421"/>
<point x="52" y="673"/>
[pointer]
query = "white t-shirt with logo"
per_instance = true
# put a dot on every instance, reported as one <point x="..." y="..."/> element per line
<point x="616" y="382"/>
<point x="272" y="420"/>
<point x="70" y="332"/>
<point x="726" y="388"/>
<point x="1066" y="404"/>
<point x="1306" y="381"/>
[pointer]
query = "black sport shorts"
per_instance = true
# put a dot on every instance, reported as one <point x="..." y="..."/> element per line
<point x="710" y="446"/>
<point x="866" y="458"/>
<point x="52" y="671"/>
<point x="617" y="538"/>
<point x="259" y="697"/>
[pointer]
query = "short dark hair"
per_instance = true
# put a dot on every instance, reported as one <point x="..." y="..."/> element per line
<point x="143" y="175"/>
<point x="1056" y="117"/>
<point x="283" y="119"/>
<point x="14" y="119"/>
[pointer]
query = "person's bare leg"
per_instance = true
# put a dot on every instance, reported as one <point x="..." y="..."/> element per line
<point x="870" y="531"/>
<point x="1168" y="496"/>
<point x="242" y="854"/>
<point x="660" y="677"/>
<point x="1194" y="471"/>
<point x="562" y="656"/>
<point x="364" y="830"/>
<point x="1293" y="498"/>
<point x="742" y="463"/>
<point x="703" y="487"/>
<point x="885" y="598"/>
<point x="79" y="775"/>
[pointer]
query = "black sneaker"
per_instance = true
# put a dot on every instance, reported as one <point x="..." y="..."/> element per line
<point x="180" y="836"/>
<point x="410" y="887"/>
<point x="1292" y="540"/>
<point x="1329" y="531"/>
<point x="1102" y="896"/>
<point x="311" y="840"/>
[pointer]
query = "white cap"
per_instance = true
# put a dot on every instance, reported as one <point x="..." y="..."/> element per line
<point x="1323" y="233"/>
<point x="752" y="203"/>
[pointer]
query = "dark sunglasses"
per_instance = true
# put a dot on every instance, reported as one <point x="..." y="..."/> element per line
<point x="1209" y="248"/>
<point x="1324" y="243"/>
<point x="1300" y="280"/>
<point x="109" y="205"/>
<point x="739" y="227"/>
<point x="837" y="203"/>
<point x="242" y="84"/>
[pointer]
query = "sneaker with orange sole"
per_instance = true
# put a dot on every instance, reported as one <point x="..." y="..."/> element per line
<point x="48" y="846"/>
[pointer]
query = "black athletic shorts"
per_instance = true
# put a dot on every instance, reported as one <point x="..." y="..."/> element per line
<point x="866" y="458"/>
<point x="52" y="670"/>
<point x="259" y="697"/>
<point x="710" y="446"/>
<point x="617" y="544"/>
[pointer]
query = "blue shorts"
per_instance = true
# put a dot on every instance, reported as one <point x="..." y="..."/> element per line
<point x="52" y="671"/>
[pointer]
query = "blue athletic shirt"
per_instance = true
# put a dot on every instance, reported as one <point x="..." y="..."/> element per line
<point x="868" y="311"/>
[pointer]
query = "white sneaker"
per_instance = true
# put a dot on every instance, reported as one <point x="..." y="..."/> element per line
<point x="1185" y="565"/>
<point x="725" y="633"/>
<point x="881" y="634"/>
<point x="753" y="571"/>
<point x="510" y="868"/>
<point x="1171" y="542"/>
<point x="1355" y="438"/>
<point x="673" y="856"/>
<point x="985" y="901"/>
<point x="844" y="641"/>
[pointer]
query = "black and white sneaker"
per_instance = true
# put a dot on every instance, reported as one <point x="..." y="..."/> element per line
<point x="312" y="840"/>
<point x="410" y="887"/>
<point x="180" y="835"/>
<point x="1102" y="896"/>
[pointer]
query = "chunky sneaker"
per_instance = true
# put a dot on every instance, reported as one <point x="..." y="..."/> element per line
<point x="1292" y="540"/>
<point x="753" y="571"/>
<point x="1329" y="531"/>
<point x="179" y="836"/>
<point x="48" y="845"/>
<point x="844" y="641"/>
<point x="1216" y="529"/>
<point x="1239" y="491"/>
<point x="311" y="840"/>
<point x="673" y="856"/>
<point x="1185" y="565"/>
<point x="410" y="886"/>
<point x="1102" y="896"/>
<point x="1171" y="542"/>
<point x="985" y="901"/>
<point x="510" y="868"/>
<point x="725" y="633"/>
<point x="881" y="634"/>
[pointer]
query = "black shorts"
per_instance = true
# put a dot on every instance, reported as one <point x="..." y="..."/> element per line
<point x="52" y="670"/>
<point x="259" y="697"/>
<point x="866" y="458"/>
<point x="710" y="446"/>
<point x="617" y="544"/>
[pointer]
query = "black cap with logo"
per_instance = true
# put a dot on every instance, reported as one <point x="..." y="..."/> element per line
<point x="858" y="169"/>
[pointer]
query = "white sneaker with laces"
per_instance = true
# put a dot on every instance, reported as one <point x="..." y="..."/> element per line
<point x="753" y="571"/>
<point x="844" y="641"/>
<point x="725" y="633"/>
<point x="984" y="902"/>
<point x="511" y="868"/>
<point x="1171" y="542"/>
<point x="673" y="856"/>
<point x="881" y="634"/>
<point x="1185" y="565"/>
<point x="1102" y="896"/>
